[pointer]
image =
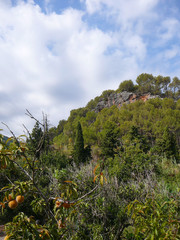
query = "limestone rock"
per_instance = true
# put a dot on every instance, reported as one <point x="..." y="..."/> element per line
<point x="119" y="99"/>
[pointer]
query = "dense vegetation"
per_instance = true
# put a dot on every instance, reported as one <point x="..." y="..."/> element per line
<point x="112" y="174"/>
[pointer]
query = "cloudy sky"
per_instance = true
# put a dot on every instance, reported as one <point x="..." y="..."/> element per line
<point x="56" y="55"/>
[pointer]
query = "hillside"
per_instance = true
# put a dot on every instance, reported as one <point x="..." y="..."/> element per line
<point x="150" y="114"/>
<point x="110" y="171"/>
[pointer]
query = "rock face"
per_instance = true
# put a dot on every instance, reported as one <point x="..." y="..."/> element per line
<point x="119" y="99"/>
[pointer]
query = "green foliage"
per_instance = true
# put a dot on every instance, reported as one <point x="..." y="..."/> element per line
<point x="167" y="145"/>
<point x="126" y="85"/>
<point x="109" y="138"/>
<point x="155" y="85"/>
<point x="106" y="94"/>
<point x="145" y="82"/>
<point x="36" y="140"/>
<point x="128" y="190"/>
<point x="79" y="155"/>
<point x="155" y="219"/>
<point x="175" y="87"/>
<point x="55" y="159"/>
<point x="39" y="140"/>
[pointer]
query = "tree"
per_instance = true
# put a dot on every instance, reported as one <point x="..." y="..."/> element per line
<point x="126" y="85"/>
<point x="161" y="84"/>
<point x="109" y="139"/>
<point x="165" y="83"/>
<point x="60" y="127"/>
<point x="168" y="144"/>
<point x="39" y="140"/>
<point x="57" y="205"/>
<point x="137" y="139"/>
<point x="146" y="83"/>
<point x="79" y="151"/>
<point x="175" y="87"/>
<point x="35" y="140"/>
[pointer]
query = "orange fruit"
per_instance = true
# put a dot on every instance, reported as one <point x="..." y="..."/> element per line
<point x="44" y="234"/>
<point x="12" y="204"/>
<point x="20" y="199"/>
<point x="58" y="204"/>
<point x="6" y="237"/>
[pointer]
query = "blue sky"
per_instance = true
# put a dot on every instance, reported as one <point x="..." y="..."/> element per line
<point x="56" y="55"/>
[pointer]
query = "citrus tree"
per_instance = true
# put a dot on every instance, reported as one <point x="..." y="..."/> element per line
<point x="57" y="206"/>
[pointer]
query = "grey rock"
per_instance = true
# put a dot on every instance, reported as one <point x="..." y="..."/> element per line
<point x="119" y="99"/>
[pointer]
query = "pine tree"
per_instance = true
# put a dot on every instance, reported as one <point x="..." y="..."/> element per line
<point x="168" y="144"/>
<point x="35" y="141"/>
<point x="109" y="140"/>
<point x="136" y="138"/>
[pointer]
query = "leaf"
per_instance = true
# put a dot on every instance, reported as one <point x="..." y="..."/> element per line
<point x="105" y="179"/>
<point x="4" y="188"/>
<point x="101" y="180"/>
<point x="95" y="178"/>
<point x="94" y="171"/>
<point x="71" y="182"/>
<point x="9" y="139"/>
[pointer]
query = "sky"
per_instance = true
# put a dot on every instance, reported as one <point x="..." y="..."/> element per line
<point x="57" y="55"/>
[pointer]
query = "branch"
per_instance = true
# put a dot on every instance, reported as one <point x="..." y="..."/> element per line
<point x="17" y="141"/>
<point x="71" y="202"/>
<point x="31" y="116"/>
<point x="87" y="193"/>
<point x="24" y="171"/>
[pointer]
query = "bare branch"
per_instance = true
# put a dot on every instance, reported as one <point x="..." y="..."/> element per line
<point x="17" y="141"/>
<point x="31" y="116"/>
<point x="24" y="171"/>
<point x="71" y="202"/>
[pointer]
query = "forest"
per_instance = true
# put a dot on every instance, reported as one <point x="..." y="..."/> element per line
<point x="108" y="174"/>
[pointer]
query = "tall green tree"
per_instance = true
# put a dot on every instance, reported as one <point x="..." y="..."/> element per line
<point x="36" y="140"/>
<point x="79" y="154"/>
<point x="168" y="144"/>
<point x="110" y="139"/>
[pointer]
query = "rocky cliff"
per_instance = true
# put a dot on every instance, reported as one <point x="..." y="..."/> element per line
<point x="119" y="99"/>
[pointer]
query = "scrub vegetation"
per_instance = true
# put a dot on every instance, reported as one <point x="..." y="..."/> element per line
<point x="112" y="174"/>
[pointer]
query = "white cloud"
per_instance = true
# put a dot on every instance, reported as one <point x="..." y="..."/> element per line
<point x="168" y="29"/>
<point x="172" y="52"/>
<point x="57" y="62"/>
<point x="122" y="9"/>
<point x="48" y="62"/>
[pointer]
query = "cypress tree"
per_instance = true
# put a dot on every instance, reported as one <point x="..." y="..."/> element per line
<point x="79" y="152"/>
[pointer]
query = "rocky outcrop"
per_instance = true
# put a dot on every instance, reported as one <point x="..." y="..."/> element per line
<point x="119" y="99"/>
